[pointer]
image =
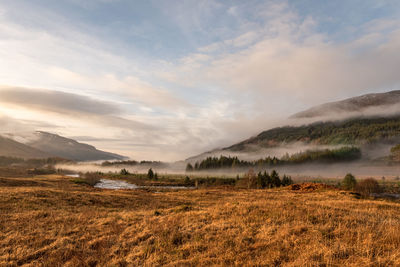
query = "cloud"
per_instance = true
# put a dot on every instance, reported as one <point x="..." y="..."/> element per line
<point x="9" y="125"/>
<point x="203" y="74"/>
<point x="298" y="66"/>
<point x="56" y="101"/>
<point x="70" y="105"/>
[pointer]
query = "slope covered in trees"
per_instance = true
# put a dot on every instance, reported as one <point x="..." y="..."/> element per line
<point x="349" y="132"/>
<point x="342" y="154"/>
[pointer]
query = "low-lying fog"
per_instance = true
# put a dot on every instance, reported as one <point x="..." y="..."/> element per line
<point x="255" y="152"/>
<point x="337" y="170"/>
<point x="362" y="168"/>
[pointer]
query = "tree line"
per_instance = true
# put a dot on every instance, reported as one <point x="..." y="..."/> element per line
<point x="323" y="156"/>
<point x="350" y="132"/>
<point x="264" y="180"/>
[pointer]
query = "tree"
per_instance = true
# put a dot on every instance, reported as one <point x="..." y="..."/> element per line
<point x="187" y="180"/>
<point x="286" y="180"/>
<point x="268" y="180"/>
<point x="124" y="172"/>
<point x="261" y="180"/>
<point x="251" y="179"/>
<point x="189" y="167"/>
<point x="349" y="182"/>
<point x="276" y="181"/>
<point x="150" y="174"/>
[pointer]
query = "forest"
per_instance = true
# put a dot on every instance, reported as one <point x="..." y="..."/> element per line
<point x="343" y="154"/>
<point x="348" y="132"/>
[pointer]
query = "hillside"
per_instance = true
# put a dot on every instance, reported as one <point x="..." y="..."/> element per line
<point x="355" y="104"/>
<point x="43" y="145"/>
<point x="365" y="119"/>
<point x="358" y="131"/>
<point x="68" y="148"/>
<point x="11" y="148"/>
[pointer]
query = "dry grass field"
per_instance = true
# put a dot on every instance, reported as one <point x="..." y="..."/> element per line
<point x="50" y="221"/>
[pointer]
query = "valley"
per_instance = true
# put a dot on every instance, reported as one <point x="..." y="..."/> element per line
<point x="49" y="220"/>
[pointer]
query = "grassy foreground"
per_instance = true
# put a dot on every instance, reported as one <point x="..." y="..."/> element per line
<point x="50" y="221"/>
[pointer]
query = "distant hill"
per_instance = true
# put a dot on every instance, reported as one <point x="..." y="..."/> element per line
<point x="69" y="148"/>
<point x="359" y="128"/>
<point x="354" y="104"/>
<point x="43" y="144"/>
<point x="357" y="131"/>
<point x="11" y="148"/>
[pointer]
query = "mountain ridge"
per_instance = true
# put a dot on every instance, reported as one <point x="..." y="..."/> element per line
<point x="11" y="148"/>
<point x="329" y="128"/>
<point x="42" y="144"/>
<point x="353" y="104"/>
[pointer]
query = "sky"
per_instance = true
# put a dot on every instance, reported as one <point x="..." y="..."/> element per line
<point x="166" y="80"/>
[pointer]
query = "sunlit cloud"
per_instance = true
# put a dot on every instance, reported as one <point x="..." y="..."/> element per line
<point x="169" y="80"/>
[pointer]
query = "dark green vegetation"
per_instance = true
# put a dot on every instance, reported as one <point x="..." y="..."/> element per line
<point x="342" y="154"/>
<point x="349" y="182"/>
<point x="370" y="186"/>
<point x="264" y="180"/>
<point x="349" y="132"/>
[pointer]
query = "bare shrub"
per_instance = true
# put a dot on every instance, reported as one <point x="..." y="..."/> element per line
<point x="367" y="187"/>
<point x="251" y="179"/>
<point x="89" y="178"/>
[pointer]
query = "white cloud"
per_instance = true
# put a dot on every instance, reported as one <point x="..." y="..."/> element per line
<point x="262" y="63"/>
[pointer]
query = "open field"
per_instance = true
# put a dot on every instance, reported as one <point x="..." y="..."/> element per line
<point x="50" y="221"/>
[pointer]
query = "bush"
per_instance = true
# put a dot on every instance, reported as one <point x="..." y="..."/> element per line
<point x="349" y="182"/>
<point x="189" y="167"/>
<point x="251" y="179"/>
<point x="150" y="174"/>
<point x="42" y="171"/>
<point x="90" y="178"/>
<point x="367" y="187"/>
<point x="187" y="180"/>
<point x="124" y="172"/>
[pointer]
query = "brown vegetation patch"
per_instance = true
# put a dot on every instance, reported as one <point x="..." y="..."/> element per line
<point x="65" y="224"/>
<point x="309" y="187"/>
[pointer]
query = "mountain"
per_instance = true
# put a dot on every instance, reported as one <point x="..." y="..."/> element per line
<point x="11" y="148"/>
<point x="354" y="104"/>
<point x="69" y="148"/>
<point x="357" y="131"/>
<point x="43" y="144"/>
<point x="371" y="122"/>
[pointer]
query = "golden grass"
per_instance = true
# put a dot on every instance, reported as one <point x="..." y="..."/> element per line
<point x="49" y="221"/>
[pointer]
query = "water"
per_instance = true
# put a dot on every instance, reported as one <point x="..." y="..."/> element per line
<point x="73" y="175"/>
<point x="115" y="184"/>
<point x="386" y="195"/>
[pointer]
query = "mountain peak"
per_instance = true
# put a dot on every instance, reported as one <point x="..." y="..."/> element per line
<point x="354" y="104"/>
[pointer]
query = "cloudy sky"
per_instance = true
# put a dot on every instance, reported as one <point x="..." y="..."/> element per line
<point x="164" y="80"/>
